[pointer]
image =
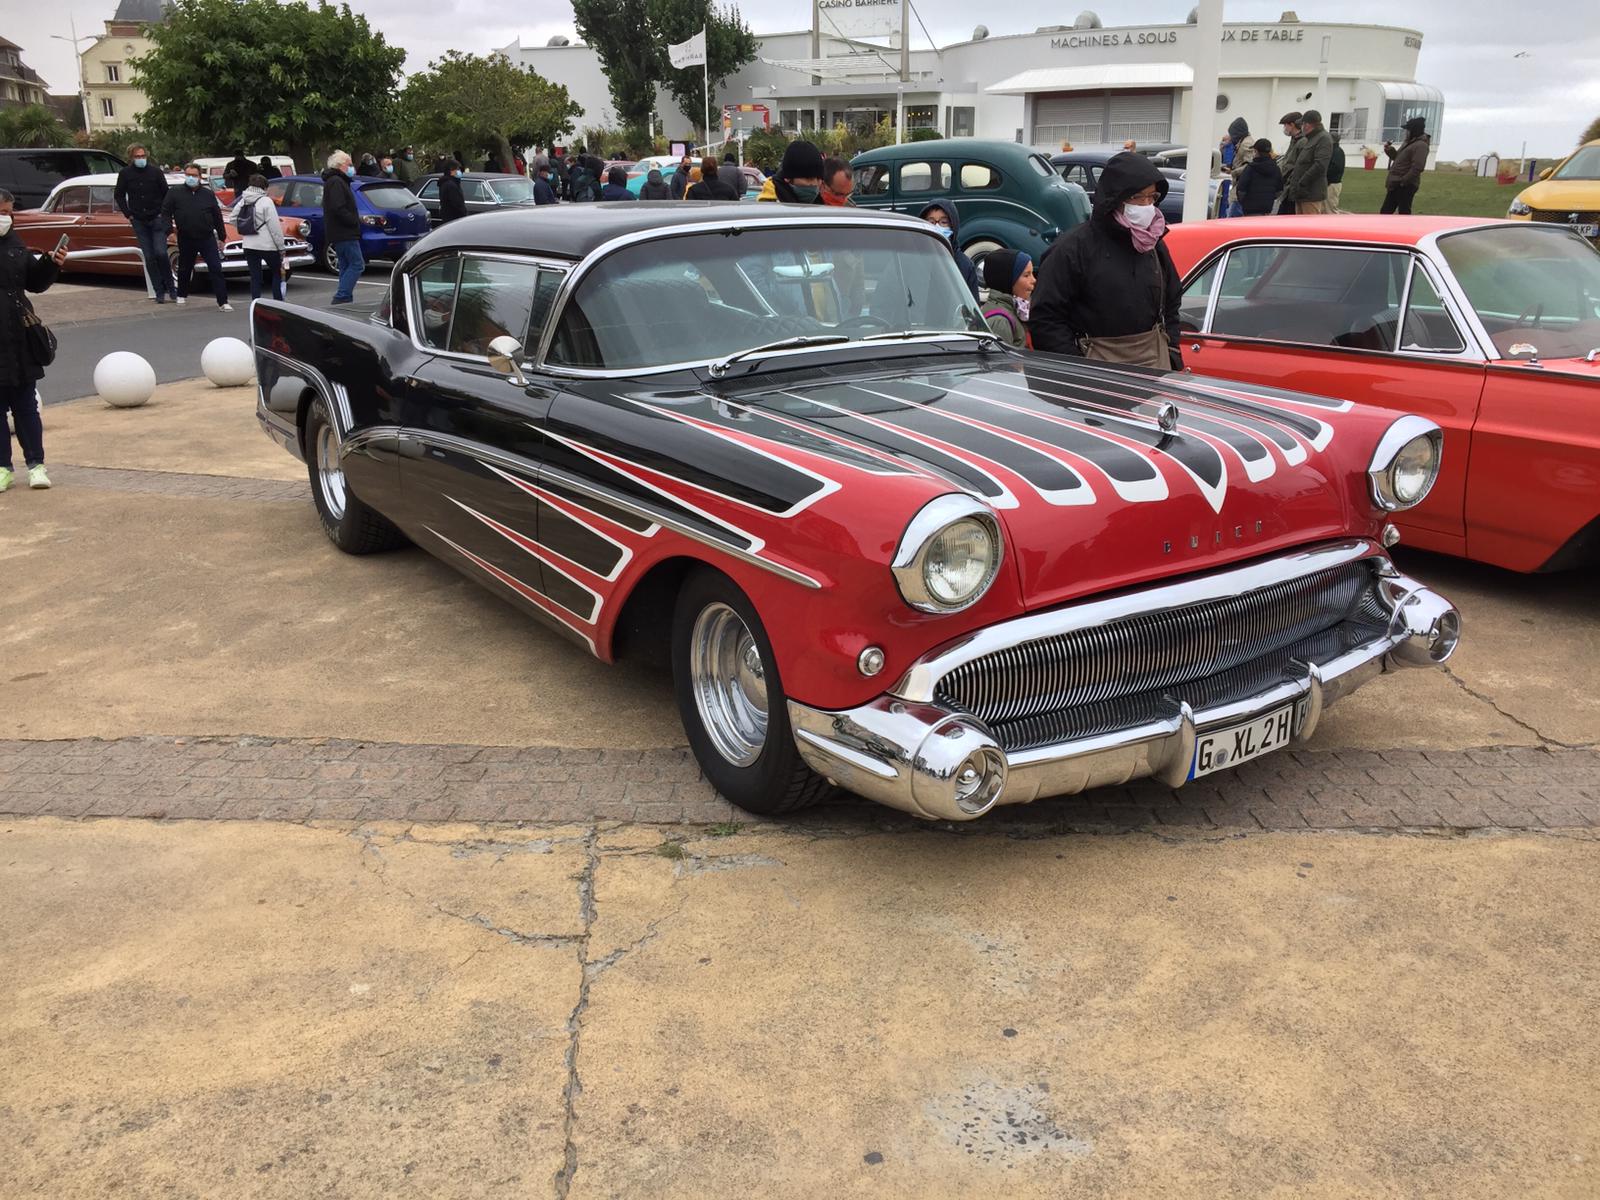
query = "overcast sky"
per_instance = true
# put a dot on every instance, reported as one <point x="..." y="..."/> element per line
<point x="1493" y="99"/>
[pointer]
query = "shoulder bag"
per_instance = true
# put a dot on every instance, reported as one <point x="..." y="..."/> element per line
<point x="36" y="336"/>
<point x="1147" y="349"/>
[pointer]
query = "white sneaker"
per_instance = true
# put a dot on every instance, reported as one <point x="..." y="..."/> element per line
<point x="37" y="477"/>
<point x="182" y="300"/>
<point x="224" y="308"/>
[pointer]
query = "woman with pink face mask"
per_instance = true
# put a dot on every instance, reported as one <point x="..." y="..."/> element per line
<point x="1108" y="290"/>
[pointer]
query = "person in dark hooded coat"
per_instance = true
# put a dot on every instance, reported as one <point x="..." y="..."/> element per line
<point x="654" y="187"/>
<point x="941" y="214"/>
<point x="798" y="179"/>
<point x="1111" y="276"/>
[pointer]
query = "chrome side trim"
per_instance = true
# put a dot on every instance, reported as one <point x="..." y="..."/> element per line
<point x="535" y="471"/>
<point x="920" y="682"/>
<point x="337" y="400"/>
<point x="896" y="751"/>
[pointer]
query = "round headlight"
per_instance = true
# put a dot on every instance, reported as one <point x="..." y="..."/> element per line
<point x="1411" y="474"/>
<point x="948" y="555"/>
<point x="957" y="563"/>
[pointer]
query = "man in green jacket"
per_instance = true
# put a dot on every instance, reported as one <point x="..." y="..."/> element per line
<point x="1291" y="151"/>
<point x="1306" y="180"/>
<point x="405" y="166"/>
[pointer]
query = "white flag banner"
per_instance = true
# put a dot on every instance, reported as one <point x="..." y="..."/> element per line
<point x="691" y="53"/>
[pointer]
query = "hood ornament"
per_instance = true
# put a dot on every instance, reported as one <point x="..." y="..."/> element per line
<point x="1167" y="417"/>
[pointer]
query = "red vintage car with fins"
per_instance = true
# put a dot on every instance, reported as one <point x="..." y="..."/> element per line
<point x="779" y="448"/>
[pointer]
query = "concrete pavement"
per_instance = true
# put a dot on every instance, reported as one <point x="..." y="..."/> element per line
<point x="260" y="1010"/>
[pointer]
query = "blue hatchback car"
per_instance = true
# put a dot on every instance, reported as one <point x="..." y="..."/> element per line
<point x="392" y="218"/>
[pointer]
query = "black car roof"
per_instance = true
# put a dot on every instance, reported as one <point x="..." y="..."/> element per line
<point x="576" y="230"/>
<point x="477" y="175"/>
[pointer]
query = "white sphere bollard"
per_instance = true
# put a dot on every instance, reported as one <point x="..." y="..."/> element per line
<point x="227" y="362"/>
<point x="124" y="379"/>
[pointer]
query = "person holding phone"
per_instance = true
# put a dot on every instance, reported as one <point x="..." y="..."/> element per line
<point x="22" y="271"/>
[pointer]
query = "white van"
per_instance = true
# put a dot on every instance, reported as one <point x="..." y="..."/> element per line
<point x="214" y="167"/>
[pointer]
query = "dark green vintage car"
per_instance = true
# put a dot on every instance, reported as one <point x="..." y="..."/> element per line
<point x="1004" y="194"/>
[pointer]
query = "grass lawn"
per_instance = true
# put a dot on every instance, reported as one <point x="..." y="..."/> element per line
<point x="1440" y="194"/>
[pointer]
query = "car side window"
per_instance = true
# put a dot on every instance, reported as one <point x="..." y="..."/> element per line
<point x="495" y="298"/>
<point x="277" y="190"/>
<point x="72" y="200"/>
<point x="308" y="195"/>
<point x="102" y="199"/>
<point x="1427" y="325"/>
<point x="1079" y="174"/>
<point x="434" y="290"/>
<point x="1320" y="296"/>
<point x="1197" y="299"/>
<point x="979" y="177"/>
<point x="918" y="177"/>
<point x="873" y="180"/>
<point x="430" y="190"/>
<point x="473" y="190"/>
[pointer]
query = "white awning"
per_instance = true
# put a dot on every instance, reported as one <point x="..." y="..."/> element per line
<point x="1409" y="91"/>
<point x="1110" y="77"/>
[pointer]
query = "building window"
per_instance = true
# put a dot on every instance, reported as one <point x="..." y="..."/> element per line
<point x="113" y="73"/>
<point x="108" y="107"/>
<point x="788" y="119"/>
<point x="959" y="121"/>
<point x="1397" y="112"/>
<point x="922" y="117"/>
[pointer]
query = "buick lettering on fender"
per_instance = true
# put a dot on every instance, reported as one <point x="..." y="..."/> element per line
<point x="880" y="550"/>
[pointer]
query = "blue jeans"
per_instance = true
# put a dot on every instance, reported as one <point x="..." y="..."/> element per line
<point x="351" y="265"/>
<point x="151" y="234"/>
<point x="21" y="400"/>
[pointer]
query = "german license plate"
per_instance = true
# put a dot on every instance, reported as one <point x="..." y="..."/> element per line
<point x="1218" y="749"/>
<point x="1588" y="231"/>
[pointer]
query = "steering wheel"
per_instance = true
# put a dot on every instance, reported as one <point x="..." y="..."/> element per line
<point x="865" y="321"/>
<point x="1537" y="310"/>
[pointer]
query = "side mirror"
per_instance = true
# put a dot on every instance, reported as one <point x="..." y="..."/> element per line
<point x="1545" y="174"/>
<point x="504" y="352"/>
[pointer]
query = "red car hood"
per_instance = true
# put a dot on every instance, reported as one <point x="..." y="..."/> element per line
<point x="1094" y="494"/>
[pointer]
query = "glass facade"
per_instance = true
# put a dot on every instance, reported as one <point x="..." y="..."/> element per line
<point x="1397" y="112"/>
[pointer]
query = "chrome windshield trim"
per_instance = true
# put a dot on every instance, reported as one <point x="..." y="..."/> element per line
<point x="537" y="470"/>
<point x="920" y="682"/>
<point x="558" y="307"/>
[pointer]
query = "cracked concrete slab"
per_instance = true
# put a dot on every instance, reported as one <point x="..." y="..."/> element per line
<point x="191" y="427"/>
<point x="933" y="1015"/>
<point x="248" y="1010"/>
<point x="132" y="614"/>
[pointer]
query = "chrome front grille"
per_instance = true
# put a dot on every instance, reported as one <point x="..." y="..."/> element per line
<point x="1150" y="651"/>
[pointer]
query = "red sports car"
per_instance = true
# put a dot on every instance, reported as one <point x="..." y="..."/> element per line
<point x="1490" y="328"/>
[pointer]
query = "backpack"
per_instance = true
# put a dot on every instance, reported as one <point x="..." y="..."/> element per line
<point x="246" y="219"/>
<point x="583" y="185"/>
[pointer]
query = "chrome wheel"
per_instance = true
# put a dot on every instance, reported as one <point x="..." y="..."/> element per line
<point x="330" y="475"/>
<point x="729" y="683"/>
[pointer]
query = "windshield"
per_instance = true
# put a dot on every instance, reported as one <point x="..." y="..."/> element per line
<point x="1585" y="164"/>
<point x="396" y="197"/>
<point x="702" y="296"/>
<point x="513" y="191"/>
<point x="1535" y="290"/>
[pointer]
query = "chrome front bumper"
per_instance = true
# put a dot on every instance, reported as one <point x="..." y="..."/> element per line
<point x="905" y="751"/>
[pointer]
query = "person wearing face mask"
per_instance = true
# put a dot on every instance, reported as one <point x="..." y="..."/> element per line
<point x="798" y="179"/>
<point x="405" y="167"/>
<point x="21" y="271"/>
<point x="341" y="224"/>
<point x="1008" y="280"/>
<point x="1108" y="289"/>
<point x="942" y="216"/>
<point x="140" y="192"/>
<point x="386" y="167"/>
<point x="452" y="203"/>
<point x="543" y="192"/>
<point x="194" y="212"/>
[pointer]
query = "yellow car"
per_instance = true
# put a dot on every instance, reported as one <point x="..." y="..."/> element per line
<point x="1566" y="194"/>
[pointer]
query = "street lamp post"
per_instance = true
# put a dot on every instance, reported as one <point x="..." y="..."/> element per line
<point x="83" y="95"/>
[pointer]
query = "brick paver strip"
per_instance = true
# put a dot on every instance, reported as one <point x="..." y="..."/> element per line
<point x="173" y="483"/>
<point x="296" y="780"/>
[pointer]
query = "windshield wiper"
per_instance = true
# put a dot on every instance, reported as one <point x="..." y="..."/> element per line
<point x="720" y="367"/>
<point x="983" y="339"/>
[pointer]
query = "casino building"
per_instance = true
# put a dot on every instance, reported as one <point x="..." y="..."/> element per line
<point x="1083" y="82"/>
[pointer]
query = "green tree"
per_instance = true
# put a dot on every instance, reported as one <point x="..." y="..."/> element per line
<point x="483" y="100"/>
<point x="1591" y="134"/>
<point x="32" y="126"/>
<point x="262" y="76"/>
<point x="619" y="31"/>
<point x="729" y="46"/>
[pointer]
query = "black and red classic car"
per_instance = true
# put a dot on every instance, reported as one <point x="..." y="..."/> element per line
<point x="779" y="446"/>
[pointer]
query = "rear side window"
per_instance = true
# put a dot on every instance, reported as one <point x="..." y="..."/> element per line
<point x="978" y="177"/>
<point x="72" y="200"/>
<point x="1316" y="295"/>
<point x="277" y="190"/>
<point x="495" y="298"/>
<point x="392" y="197"/>
<point x="430" y="189"/>
<point x="924" y="177"/>
<point x="308" y="195"/>
<point x="102" y="199"/>
<point x="1041" y="166"/>
<point x="434" y="288"/>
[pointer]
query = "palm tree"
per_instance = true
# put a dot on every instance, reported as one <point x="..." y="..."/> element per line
<point x="33" y="126"/>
